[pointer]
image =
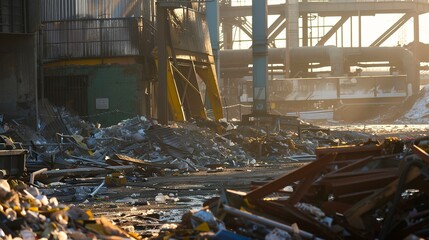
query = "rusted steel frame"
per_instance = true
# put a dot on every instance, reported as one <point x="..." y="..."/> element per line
<point x="365" y="183"/>
<point x="354" y="197"/>
<point x="380" y="197"/>
<point x="352" y="166"/>
<point x="421" y="153"/>
<point x="266" y="221"/>
<point x="289" y="214"/>
<point x="298" y="174"/>
<point x="343" y="175"/>
<point x="351" y="152"/>
<point x="331" y="208"/>
<point x="347" y="149"/>
<point x="302" y="189"/>
<point x="349" y="178"/>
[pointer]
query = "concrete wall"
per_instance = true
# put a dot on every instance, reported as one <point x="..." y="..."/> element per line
<point x="121" y="85"/>
<point x="17" y="75"/>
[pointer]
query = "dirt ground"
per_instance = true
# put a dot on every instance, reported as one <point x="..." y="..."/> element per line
<point x="133" y="206"/>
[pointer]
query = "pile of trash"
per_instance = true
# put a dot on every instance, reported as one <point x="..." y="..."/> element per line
<point x="25" y="213"/>
<point x="141" y="144"/>
<point x="376" y="190"/>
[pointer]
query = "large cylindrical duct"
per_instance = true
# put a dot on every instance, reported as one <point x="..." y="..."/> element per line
<point x="331" y="56"/>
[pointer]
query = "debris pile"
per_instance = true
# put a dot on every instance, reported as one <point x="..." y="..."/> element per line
<point x="76" y="147"/>
<point x="367" y="191"/>
<point x="25" y="213"/>
<point x="419" y="112"/>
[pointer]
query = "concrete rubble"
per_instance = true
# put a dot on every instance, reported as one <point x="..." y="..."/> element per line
<point x="345" y="181"/>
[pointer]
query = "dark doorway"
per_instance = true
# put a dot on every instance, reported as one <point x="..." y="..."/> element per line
<point x="70" y="92"/>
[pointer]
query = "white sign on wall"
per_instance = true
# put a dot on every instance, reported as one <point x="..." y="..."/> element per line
<point x="102" y="103"/>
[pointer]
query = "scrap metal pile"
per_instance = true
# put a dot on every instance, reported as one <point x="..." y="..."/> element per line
<point x="68" y="146"/>
<point x="369" y="191"/>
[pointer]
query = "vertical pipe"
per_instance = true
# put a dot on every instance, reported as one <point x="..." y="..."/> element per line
<point x="305" y="29"/>
<point x="360" y="29"/>
<point x="293" y="25"/>
<point x="416" y="82"/>
<point x="162" y="106"/>
<point x="41" y="61"/>
<point x="213" y="22"/>
<point x="292" y="33"/>
<point x="260" y="56"/>
<point x="36" y="95"/>
<point x="351" y="31"/>
<point x="416" y="39"/>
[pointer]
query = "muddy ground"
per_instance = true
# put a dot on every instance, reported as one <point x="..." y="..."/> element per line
<point x="186" y="192"/>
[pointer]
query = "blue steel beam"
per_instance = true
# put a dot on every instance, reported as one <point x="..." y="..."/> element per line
<point x="260" y="56"/>
<point x="212" y="16"/>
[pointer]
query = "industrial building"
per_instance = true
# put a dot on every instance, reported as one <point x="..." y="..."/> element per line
<point x="101" y="59"/>
<point x="19" y="23"/>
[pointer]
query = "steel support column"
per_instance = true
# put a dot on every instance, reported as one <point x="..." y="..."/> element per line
<point x="260" y="56"/>
<point x="304" y="27"/>
<point x="213" y="22"/>
<point x="162" y="104"/>
<point x="416" y="39"/>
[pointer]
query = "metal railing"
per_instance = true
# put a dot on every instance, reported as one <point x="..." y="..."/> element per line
<point x="85" y="38"/>
<point x="249" y="2"/>
<point x="329" y="88"/>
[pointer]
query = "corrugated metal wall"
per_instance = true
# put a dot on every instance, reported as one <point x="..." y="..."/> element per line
<point x="97" y="28"/>
<point x="55" y="10"/>
<point x="13" y="16"/>
<point x="93" y="38"/>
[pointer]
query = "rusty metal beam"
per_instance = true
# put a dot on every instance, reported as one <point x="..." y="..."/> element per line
<point x="289" y="178"/>
<point x="342" y="175"/>
<point x="351" y="152"/>
<point x="354" y="214"/>
<point x="354" y="165"/>
<point x="360" y="183"/>
<point x="302" y="189"/>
